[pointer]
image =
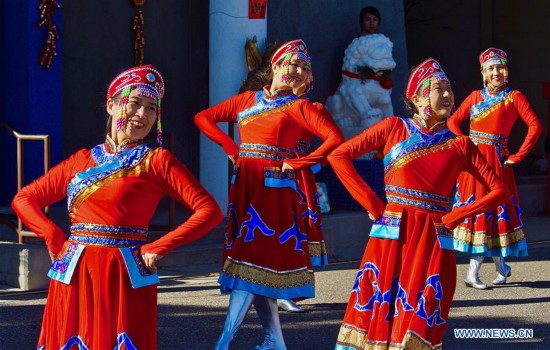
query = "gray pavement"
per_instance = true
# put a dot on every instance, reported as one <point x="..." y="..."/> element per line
<point x="192" y="312"/>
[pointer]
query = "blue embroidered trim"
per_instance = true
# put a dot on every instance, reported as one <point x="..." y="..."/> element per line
<point x="488" y="101"/>
<point x="228" y="283"/>
<point x="105" y="241"/>
<point x="108" y="228"/>
<point x="62" y="269"/>
<point x="417" y="140"/>
<point x="416" y="193"/>
<point x="444" y="236"/>
<point x="107" y="164"/>
<point x="279" y="179"/>
<point x="263" y="105"/>
<point x="303" y="146"/>
<point x="138" y="273"/>
<point x="419" y="203"/>
<point x="258" y="150"/>
<point x="319" y="261"/>
<point x="123" y="341"/>
<point x="72" y="341"/>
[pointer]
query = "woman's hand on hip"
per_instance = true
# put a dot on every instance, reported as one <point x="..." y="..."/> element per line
<point x="150" y="260"/>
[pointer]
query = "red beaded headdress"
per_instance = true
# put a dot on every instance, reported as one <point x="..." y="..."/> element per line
<point x="285" y="52"/>
<point x="493" y="56"/>
<point x="147" y="81"/>
<point x="420" y="79"/>
<point x="422" y="73"/>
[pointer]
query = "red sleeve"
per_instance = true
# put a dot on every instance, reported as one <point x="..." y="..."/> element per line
<point x="180" y="184"/>
<point x="370" y="139"/>
<point x="476" y="164"/>
<point x="316" y="120"/>
<point x="533" y="124"/>
<point x="461" y="115"/>
<point x="225" y="111"/>
<point x="48" y="189"/>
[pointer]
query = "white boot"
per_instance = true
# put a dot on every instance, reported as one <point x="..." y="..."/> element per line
<point x="289" y="305"/>
<point x="503" y="270"/>
<point x="472" y="277"/>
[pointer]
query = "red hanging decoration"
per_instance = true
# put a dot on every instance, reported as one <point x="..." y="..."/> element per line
<point x="139" y="36"/>
<point x="47" y="11"/>
<point x="257" y="9"/>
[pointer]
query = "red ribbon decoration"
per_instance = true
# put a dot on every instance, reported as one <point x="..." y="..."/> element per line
<point x="257" y="9"/>
<point x="383" y="80"/>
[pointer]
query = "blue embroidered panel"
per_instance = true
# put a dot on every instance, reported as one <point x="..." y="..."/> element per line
<point x="386" y="227"/>
<point x="279" y="179"/>
<point x="444" y="236"/>
<point x="488" y="101"/>
<point x="138" y="273"/>
<point x="107" y="164"/>
<point x="63" y="268"/>
<point x="434" y="283"/>
<point x="417" y="140"/>
<point x="263" y="105"/>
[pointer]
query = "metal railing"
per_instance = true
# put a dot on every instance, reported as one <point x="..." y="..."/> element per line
<point x="20" y="139"/>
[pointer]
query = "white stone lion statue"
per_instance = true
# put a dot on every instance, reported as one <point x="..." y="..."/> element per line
<point x="364" y="94"/>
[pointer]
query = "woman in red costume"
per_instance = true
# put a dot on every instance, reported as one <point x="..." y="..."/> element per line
<point x="103" y="293"/>
<point x="266" y="255"/>
<point x="492" y="112"/>
<point x="405" y="285"/>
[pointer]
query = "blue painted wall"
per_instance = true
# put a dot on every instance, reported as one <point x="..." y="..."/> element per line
<point x="31" y="94"/>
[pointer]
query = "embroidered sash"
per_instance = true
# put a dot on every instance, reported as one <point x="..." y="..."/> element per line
<point x="415" y="146"/>
<point x="262" y="106"/>
<point x="489" y="103"/>
<point x="109" y="167"/>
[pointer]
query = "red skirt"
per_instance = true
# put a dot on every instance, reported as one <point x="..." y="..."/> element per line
<point x="100" y="309"/>
<point x="266" y="250"/>
<point x="498" y="232"/>
<point x="402" y="292"/>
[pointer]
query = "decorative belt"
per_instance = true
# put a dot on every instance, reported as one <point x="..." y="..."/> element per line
<point x="415" y="198"/>
<point x="303" y="147"/>
<point x="108" y="236"/>
<point x="258" y="150"/>
<point x="488" y="139"/>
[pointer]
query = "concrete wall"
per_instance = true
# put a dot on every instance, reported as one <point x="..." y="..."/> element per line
<point x="327" y="27"/>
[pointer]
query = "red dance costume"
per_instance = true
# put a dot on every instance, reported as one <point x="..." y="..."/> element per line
<point x="498" y="232"/>
<point x="266" y="250"/>
<point x="309" y="199"/>
<point x="405" y="285"/>
<point x="101" y="295"/>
